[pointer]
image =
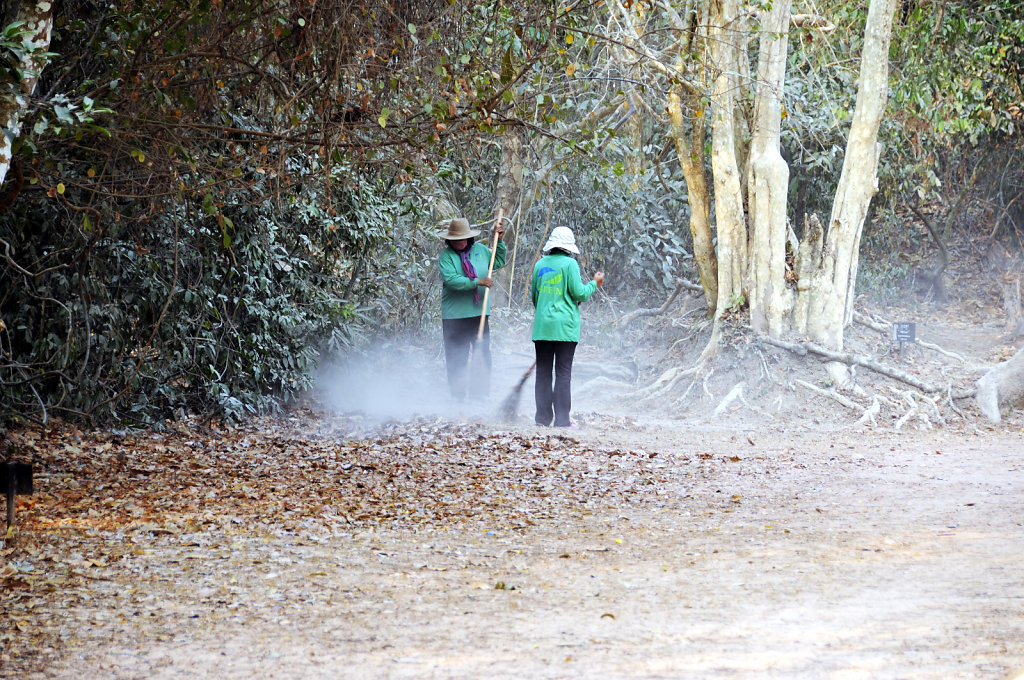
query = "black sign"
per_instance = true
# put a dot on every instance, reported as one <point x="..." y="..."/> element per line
<point x="905" y="331"/>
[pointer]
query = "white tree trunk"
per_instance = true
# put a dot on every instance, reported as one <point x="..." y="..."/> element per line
<point x="1001" y="386"/>
<point x="14" y="95"/>
<point x="768" y="183"/>
<point x="832" y="307"/>
<point x="730" y="220"/>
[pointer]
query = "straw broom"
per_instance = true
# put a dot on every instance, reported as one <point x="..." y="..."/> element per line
<point x="511" y="403"/>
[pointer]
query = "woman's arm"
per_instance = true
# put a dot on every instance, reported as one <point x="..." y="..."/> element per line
<point x="578" y="291"/>
<point x="452" y="275"/>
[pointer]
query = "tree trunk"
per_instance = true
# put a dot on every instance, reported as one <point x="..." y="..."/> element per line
<point x="14" y="95"/>
<point x="832" y="306"/>
<point x="691" y="160"/>
<point x="770" y="300"/>
<point x="729" y="214"/>
<point x="507" y="197"/>
<point x="1001" y="386"/>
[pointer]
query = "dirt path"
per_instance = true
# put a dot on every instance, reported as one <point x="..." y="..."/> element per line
<point x="623" y="552"/>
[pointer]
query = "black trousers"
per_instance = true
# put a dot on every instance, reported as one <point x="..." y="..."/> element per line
<point x="553" y="402"/>
<point x="459" y="340"/>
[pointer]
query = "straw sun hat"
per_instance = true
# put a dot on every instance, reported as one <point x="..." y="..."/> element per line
<point x="458" y="230"/>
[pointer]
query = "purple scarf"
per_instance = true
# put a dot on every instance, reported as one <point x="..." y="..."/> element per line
<point x="469" y="270"/>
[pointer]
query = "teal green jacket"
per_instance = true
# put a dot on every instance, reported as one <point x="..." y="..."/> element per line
<point x="556" y="289"/>
<point x="457" y="288"/>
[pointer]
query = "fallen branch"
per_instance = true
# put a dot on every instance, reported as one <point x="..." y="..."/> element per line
<point x="802" y="348"/>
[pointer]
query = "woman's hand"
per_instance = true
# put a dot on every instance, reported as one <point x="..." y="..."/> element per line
<point x="484" y="281"/>
<point x="599" y="279"/>
<point x="499" y="230"/>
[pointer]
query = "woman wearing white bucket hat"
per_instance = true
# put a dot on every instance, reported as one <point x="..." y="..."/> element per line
<point x="463" y="265"/>
<point x="557" y="291"/>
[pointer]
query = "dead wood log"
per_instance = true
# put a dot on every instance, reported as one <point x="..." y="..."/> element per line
<point x="1001" y="386"/>
<point x="802" y="348"/>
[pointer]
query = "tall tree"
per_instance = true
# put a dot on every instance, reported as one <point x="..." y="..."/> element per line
<point x="726" y="35"/>
<point x="769" y="177"/>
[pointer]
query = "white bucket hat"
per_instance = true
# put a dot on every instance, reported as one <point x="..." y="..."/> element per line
<point x="562" y="237"/>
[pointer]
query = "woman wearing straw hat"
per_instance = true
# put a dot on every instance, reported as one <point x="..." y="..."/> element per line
<point x="463" y="265"/>
<point x="557" y="291"/>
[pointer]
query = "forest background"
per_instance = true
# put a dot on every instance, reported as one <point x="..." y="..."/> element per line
<point x="203" y="200"/>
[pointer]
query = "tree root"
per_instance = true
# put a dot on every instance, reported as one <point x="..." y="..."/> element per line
<point x="735" y="393"/>
<point x="665" y="382"/>
<point x="869" y="414"/>
<point x="802" y="348"/>
<point x="832" y="394"/>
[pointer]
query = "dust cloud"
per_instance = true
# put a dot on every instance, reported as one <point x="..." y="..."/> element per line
<point x="401" y="380"/>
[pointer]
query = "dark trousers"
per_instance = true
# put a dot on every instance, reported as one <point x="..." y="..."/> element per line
<point x="459" y="340"/>
<point x="553" y="403"/>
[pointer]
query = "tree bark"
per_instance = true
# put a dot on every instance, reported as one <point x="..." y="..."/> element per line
<point x="770" y="300"/>
<point x="729" y="213"/>
<point x="15" y="95"/>
<point x="832" y="306"/>
<point x="508" y="194"/>
<point x="691" y="161"/>
<point x="1001" y="386"/>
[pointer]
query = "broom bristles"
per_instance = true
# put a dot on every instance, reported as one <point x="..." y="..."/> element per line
<point x="511" y="403"/>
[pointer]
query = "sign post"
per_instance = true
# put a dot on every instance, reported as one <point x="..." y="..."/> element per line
<point x="903" y="332"/>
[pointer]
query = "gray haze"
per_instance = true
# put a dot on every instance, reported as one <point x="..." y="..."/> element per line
<point x="402" y="380"/>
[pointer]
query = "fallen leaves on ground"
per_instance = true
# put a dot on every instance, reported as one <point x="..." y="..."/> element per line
<point x="288" y="473"/>
<point x="106" y="499"/>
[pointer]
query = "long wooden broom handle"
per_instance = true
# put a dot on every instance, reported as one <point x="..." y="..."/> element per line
<point x="490" y="270"/>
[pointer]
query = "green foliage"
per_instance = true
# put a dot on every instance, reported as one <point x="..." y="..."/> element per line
<point x="632" y="233"/>
<point x="137" y="324"/>
<point x="960" y="71"/>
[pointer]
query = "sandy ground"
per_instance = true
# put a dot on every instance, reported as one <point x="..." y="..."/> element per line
<point x="715" y="554"/>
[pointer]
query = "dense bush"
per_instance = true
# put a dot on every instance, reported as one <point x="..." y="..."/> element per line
<point x="138" y="321"/>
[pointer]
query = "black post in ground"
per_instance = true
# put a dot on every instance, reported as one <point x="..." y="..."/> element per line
<point x="15" y="479"/>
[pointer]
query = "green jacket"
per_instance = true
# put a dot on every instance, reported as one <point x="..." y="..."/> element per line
<point x="457" y="288"/>
<point x="556" y="289"/>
